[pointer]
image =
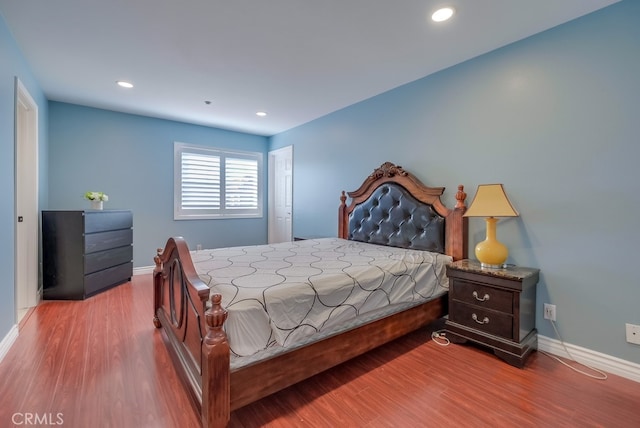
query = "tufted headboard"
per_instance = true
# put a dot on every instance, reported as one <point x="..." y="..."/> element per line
<point x="392" y="207"/>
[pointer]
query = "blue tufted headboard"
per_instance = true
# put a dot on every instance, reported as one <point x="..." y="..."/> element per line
<point x="392" y="207"/>
<point x="391" y="216"/>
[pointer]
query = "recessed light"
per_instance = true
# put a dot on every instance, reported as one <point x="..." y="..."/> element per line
<point x="261" y="113"/>
<point x="442" y="14"/>
<point x="124" y="84"/>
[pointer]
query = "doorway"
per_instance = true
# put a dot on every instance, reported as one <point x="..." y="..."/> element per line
<point x="280" y="195"/>
<point x="26" y="201"/>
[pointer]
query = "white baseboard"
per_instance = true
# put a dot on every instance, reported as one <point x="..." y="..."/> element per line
<point x="604" y="362"/>
<point x="143" y="270"/>
<point x="8" y="341"/>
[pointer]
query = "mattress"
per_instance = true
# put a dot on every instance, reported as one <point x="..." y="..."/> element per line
<point x="281" y="295"/>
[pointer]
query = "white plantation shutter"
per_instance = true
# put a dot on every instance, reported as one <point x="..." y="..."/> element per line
<point x="241" y="183"/>
<point x="215" y="183"/>
<point x="200" y="182"/>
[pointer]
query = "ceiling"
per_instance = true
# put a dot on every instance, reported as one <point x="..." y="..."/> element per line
<point x="297" y="60"/>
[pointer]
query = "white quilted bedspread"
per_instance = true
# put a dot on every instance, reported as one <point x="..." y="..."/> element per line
<point x="280" y="294"/>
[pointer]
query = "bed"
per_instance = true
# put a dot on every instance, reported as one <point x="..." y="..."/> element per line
<point x="380" y="278"/>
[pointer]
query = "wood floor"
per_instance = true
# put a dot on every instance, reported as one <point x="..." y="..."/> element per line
<point x="101" y="363"/>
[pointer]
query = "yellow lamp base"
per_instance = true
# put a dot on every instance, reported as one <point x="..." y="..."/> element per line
<point x="491" y="253"/>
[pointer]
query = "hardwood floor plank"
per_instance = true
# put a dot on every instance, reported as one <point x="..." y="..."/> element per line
<point x="100" y="362"/>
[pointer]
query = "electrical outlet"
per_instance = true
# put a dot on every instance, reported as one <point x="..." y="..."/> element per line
<point x="633" y="333"/>
<point x="549" y="312"/>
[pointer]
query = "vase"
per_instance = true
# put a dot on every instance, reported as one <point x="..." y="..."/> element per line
<point x="96" y="204"/>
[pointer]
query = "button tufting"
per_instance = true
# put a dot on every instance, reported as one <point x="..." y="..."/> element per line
<point x="413" y="225"/>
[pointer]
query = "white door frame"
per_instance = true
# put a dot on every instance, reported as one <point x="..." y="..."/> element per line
<point x="26" y="201"/>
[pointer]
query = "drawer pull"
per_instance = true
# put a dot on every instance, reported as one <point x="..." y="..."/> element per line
<point x="485" y="320"/>
<point x="484" y="298"/>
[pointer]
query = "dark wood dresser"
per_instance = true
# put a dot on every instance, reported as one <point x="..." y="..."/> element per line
<point x="85" y="252"/>
<point x="494" y="308"/>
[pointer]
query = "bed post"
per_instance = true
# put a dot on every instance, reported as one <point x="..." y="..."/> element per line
<point x="458" y="228"/>
<point x="216" y="392"/>
<point x="157" y="287"/>
<point x="343" y="227"/>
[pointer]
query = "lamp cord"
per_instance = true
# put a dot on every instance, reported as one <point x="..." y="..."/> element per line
<point x="601" y="375"/>
<point x="439" y="338"/>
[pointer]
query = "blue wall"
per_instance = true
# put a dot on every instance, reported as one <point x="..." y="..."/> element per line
<point x="12" y="65"/>
<point x="555" y="118"/>
<point x="130" y="158"/>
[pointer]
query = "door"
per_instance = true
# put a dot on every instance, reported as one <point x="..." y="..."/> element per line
<point x="280" y="195"/>
<point x="26" y="208"/>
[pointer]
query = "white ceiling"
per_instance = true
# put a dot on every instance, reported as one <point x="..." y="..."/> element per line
<point x="295" y="59"/>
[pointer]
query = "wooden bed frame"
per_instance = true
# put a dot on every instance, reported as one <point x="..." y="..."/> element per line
<point x="198" y="343"/>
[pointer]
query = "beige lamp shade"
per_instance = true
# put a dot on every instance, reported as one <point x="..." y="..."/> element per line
<point x="491" y="201"/>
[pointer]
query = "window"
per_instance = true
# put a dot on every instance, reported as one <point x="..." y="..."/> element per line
<point x="212" y="183"/>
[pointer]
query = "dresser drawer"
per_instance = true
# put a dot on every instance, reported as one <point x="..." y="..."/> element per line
<point x="103" y="259"/>
<point x="486" y="321"/>
<point x="105" y="278"/>
<point x="100" y="221"/>
<point x="483" y="296"/>
<point x="106" y="240"/>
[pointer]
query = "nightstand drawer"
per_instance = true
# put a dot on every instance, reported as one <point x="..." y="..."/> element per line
<point x="486" y="321"/>
<point x="483" y="296"/>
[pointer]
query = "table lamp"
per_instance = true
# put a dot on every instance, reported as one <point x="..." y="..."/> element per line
<point x="490" y="202"/>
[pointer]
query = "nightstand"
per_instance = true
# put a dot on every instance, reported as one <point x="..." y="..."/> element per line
<point x="494" y="308"/>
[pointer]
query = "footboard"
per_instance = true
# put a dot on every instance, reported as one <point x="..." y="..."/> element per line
<point x="194" y="334"/>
